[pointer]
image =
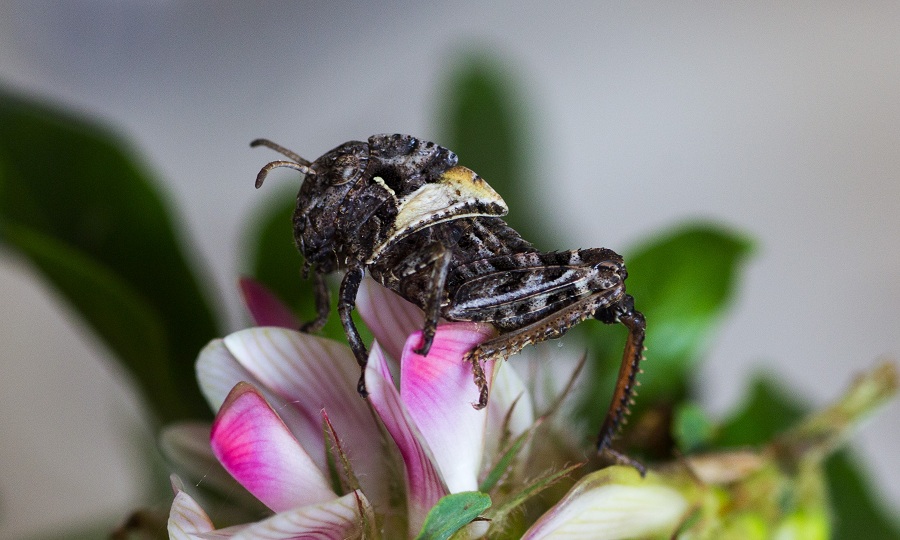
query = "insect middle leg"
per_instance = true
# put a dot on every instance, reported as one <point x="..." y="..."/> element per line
<point x="440" y="268"/>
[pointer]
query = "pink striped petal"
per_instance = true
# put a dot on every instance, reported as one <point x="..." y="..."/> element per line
<point x="303" y="374"/>
<point x="439" y="390"/>
<point x="337" y="519"/>
<point x="390" y="318"/>
<point x="187" y="521"/>
<point x="424" y="486"/>
<point x="265" y="308"/>
<point x="256" y="448"/>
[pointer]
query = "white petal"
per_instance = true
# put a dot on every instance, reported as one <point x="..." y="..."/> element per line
<point x="186" y="519"/>
<point x="508" y="392"/>
<point x="338" y="519"/>
<point x="218" y="371"/>
<point x="614" y="503"/>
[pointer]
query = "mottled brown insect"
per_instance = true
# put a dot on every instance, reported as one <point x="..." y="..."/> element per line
<point x="402" y="210"/>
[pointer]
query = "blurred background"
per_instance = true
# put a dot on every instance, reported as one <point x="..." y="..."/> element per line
<point x="780" y="121"/>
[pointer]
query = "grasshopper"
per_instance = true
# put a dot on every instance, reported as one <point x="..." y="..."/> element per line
<point x="402" y="210"/>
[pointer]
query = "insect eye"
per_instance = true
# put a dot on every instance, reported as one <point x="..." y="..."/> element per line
<point x="346" y="168"/>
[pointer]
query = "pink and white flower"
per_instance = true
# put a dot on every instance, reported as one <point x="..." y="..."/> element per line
<point x="294" y="434"/>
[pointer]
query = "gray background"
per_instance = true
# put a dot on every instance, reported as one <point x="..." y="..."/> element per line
<point x="780" y="119"/>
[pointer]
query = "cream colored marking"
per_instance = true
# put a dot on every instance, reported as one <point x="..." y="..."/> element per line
<point x="380" y="181"/>
<point x="451" y="197"/>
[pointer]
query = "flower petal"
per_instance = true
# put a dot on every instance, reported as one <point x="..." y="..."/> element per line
<point x="218" y="371"/>
<point x="256" y="448"/>
<point x="614" y="503"/>
<point x="390" y="318"/>
<point x="509" y="399"/>
<point x="187" y="446"/>
<point x="439" y="390"/>
<point x="424" y="486"/>
<point x="302" y="374"/>
<point x="266" y="308"/>
<point x="186" y="519"/>
<point x="337" y="519"/>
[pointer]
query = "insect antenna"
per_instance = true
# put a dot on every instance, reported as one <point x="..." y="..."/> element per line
<point x="260" y="178"/>
<point x="278" y="148"/>
<point x="298" y="163"/>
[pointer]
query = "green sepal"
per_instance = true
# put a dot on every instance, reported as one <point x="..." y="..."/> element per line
<point x="452" y="513"/>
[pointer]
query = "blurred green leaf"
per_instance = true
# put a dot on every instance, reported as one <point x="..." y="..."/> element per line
<point x="691" y="428"/>
<point x="856" y="510"/>
<point x="682" y="281"/>
<point x="482" y="118"/>
<point x="767" y="411"/>
<point x="69" y="189"/>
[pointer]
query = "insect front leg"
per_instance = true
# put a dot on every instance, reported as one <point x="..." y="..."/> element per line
<point x="440" y="268"/>
<point x="323" y="304"/>
<point x="346" y="303"/>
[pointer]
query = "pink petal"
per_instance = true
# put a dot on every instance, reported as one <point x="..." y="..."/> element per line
<point x="336" y="519"/>
<point x="256" y="448"/>
<point x="302" y="374"/>
<point x="266" y="308"/>
<point x="390" y="318"/>
<point x="186" y="519"/>
<point x="424" y="486"/>
<point x="439" y="391"/>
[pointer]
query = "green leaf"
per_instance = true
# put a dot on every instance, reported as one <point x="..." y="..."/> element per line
<point x="66" y="179"/>
<point x="767" y="411"/>
<point x="691" y="428"/>
<point x="856" y="511"/>
<point x="682" y="281"/>
<point x="481" y="117"/>
<point x="452" y="513"/>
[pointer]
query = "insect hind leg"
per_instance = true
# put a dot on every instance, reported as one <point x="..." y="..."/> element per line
<point x="551" y="327"/>
<point x="623" y="394"/>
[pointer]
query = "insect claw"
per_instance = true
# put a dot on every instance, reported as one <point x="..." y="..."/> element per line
<point x="621" y="459"/>
<point x="361" y="386"/>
